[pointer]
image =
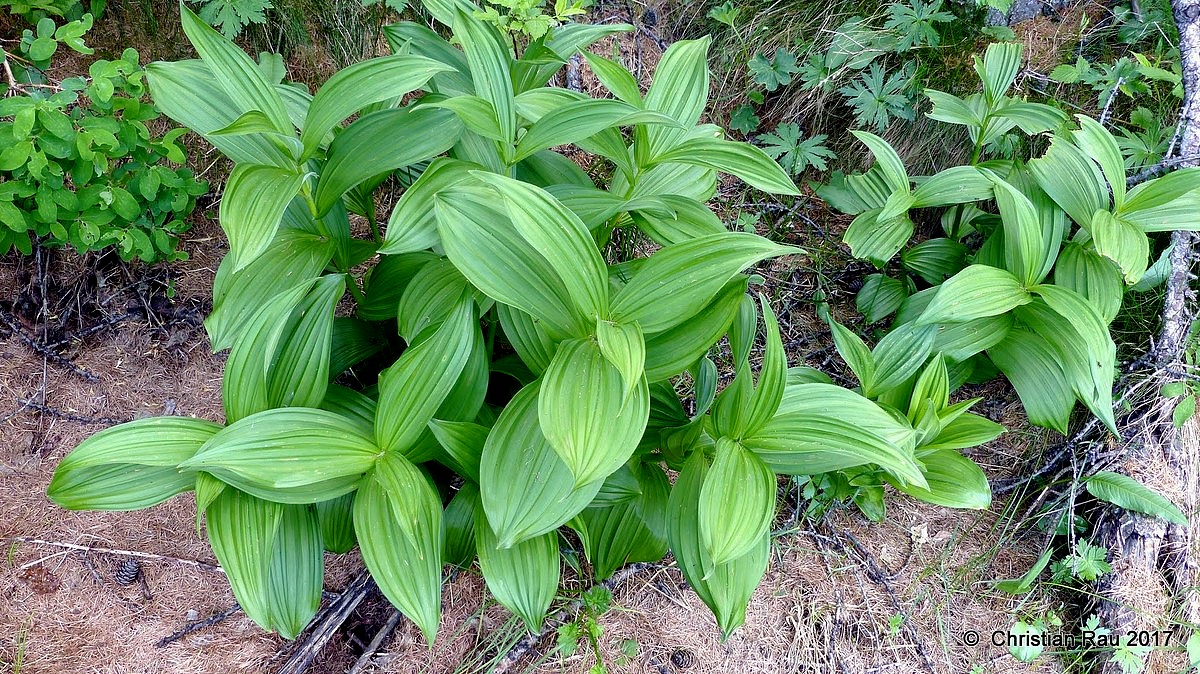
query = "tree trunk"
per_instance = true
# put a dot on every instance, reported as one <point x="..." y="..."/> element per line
<point x="1154" y="563"/>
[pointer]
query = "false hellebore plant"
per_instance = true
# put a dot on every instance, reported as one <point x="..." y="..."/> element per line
<point x="497" y="379"/>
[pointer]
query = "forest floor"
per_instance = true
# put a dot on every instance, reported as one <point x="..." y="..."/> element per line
<point x="910" y="594"/>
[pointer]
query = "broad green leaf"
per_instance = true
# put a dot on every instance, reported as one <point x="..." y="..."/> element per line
<point x="458" y="523"/>
<point x="412" y="389"/>
<point x="951" y="109"/>
<point x="296" y="570"/>
<point x="559" y="236"/>
<point x="293" y="258"/>
<point x="244" y="388"/>
<point x="934" y="260"/>
<point x="407" y="37"/>
<point x="412" y="226"/>
<point x="1071" y="179"/>
<point x="615" y="77"/>
<point x="1160" y="192"/>
<point x="490" y="64"/>
<point x="523" y="577"/>
<point x="1033" y="366"/>
<point x="879" y="297"/>
<point x="878" y="240"/>
<point x="727" y="156"/>
<point x="387" y="281"/>
<point x="737" y="502"/>
<point x="359" y="85"/>
<point x="855" y="352"/>
<point x="674" y="350"/>
<point x="291" y="455"/>
<point x="584" y="412"/>
<point x="526" y="489"/>
<point x="432" y="294"/>
<point x="235" y="71"/>
<point x="1089" y="352"/>
<point x="352" y="342"/>
<point x="821" y="428"/>
<point x="1123" y="243"/>
<point x="1023" y="244"/>
<point x="583" y="119"/>
<point x="254" y="201"/>
<point x="528" y="338"/>
<point x="1032" y="118"/>
<point x="483" y="243"/>
<point x="898" y="356"/>
<point x="633" y="530"/>
<point x="625" y="348"/>
<point x="955" y="185"/>
<point x="353" y="406"/>
<point x="382" y="141"/>
<point x="407" y="568"/>
<point x="975" y="292"/>
<point x="464" y="442"/>
<point x="679" y="88"/>
<point x="130" y="466"/>
<point x="1125" y="492"/>
<point x="724" y="588"/>
<point x="690" y="220"/>
<point x="998" y="69"/>
<point x="299" y="372"/>
<point x="678" y="280"/>
<point x="1097" y="143"/>
<point x="1096" y="278"/>
<point x="476" y="114"/>
<point x="954" y="482"/>
<point x="242" y="530"/>
<point x="772" y="377"/>
<point x="336" y="517"/>
<point x="886" y="159"/>
<point x="968" y="430"/>
<point x="190" y="93"/>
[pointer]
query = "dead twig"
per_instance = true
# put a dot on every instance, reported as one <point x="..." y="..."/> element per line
<point x="42" y="350"/>
<point x="198" y="625"/>
<point x="326" y="623"/>
<point x="114" y="551"/>
<point x="369" y="652"/>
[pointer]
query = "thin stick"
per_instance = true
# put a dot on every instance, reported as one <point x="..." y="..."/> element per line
<point x="326" y="624"/>
<point x="197" y="625"/>
<point x="114" y="551"/>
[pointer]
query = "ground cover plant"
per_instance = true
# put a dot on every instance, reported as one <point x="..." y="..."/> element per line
<point x="498" y="379"/>
<point x="80" y="165"/>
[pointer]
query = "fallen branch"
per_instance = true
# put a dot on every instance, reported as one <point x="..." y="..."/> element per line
<point x="326" y="623"/>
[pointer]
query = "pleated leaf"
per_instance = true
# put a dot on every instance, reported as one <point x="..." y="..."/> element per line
<point x="898" y="356"/>
<point x="458" y="523"/>
<point x="407" y="568"/>
<point x="412" y="390"/>
<point x="975" y="292"/>
<point x="737" y="502"/>
<point x="412" y="226"/>
<point x="296" y="572"/>
<point x="583" y="411"/>
<point x="292" y="454"/>
<point x="675" y="349"/>
<point x="679" y="88"/>
<point x="490" y="64"/>
<point x="254" y="201"/>
<point x="625" y="348"/>
<point x="678" y="280"/>
<point x="1123" y="243"/>
<point x="820" y="428"/>
<point x="336" y="517"/>
<point x="130" y="466"/>
<point x="1096" y="278"/>
<point x="724" y="588"/>
<point x="954" y="481"/>
<point x="743" y="160"/>
<point x="242" y="530"/>
<point x="583" y="119"/>
<point x="299" y="372"/>
<point x="357" y="86"/>
<point x="630" y="531"/>
<point x="526" y="489"/>
<point x="1033" y="366"/>
<point x="523" y="577"/>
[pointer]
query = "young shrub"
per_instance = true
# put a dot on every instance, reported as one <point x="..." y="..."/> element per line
<point x="517" y="362"/>
<point x="78" y="164"/>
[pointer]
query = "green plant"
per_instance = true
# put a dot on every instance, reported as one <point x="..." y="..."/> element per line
<point x="231" y="17"/>
<point x="794" y="154"/>
<point x="596" y="602"/>
<point x="527" y="17"/>
<point x="877" y="96"/>
<point x="492" y="347"/>
<point x="776" y="71"/>
<point x="916" y="23"/>
<point x="1147" y="142"/>
<point x="79" y="164"/>
<point x="999" y="308"/>
<point x="34" y="11"/>
<point x="725" y="13"/>
<point x="1086" y="563"/>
